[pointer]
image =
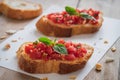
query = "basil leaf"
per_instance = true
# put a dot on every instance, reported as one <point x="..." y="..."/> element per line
<point x="60" y="48"/>
<point x="71" y="10"/>
<point x="86" y="16"/>
<point x="45" y="40"/>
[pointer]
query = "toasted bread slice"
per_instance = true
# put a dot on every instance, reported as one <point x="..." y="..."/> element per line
<point x="50" y="28"/>
<point x="20" y="9"/>
<point x="51" y="66"/>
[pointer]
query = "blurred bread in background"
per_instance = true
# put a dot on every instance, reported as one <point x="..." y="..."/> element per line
<point x="20" y="9"/>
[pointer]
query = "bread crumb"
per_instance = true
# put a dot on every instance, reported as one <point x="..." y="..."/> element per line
<point x="113" y="49"/>
<point x="72" y="77"/>
<point x="98" y="67"/>
<point x="14" y="40"/>
<point x="10" y="32"/>
<point x="23" y="4"/>
<point x="109" y="59"/>
<point x="7" y="46"/>
<point x="105" y="42"/>
<point x="45" y="78"/>
<point x="3" y="37"/>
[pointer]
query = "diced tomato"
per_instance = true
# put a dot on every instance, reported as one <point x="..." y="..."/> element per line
<point x="41" y="46"/>
<point x="46" y="52"/>
<point x="49" y="50"/>
<point x="28" y="49"/>
<point x="70" y="57"/>
<point x="83" y="50"/>
<point x="71" y="50"/>
<point x="67" y="44"/>
<point x="67" y="19"/>
<point x="61" y="41"/>
<point x="56" y="56"/>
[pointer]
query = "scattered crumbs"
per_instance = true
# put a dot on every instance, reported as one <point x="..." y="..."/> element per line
<point x="72" y="77"/>
<point x="3" y="37"/>
<point x="109" y="59"/>
<point x="113" y="49"/>
<point x="98" y="67"/>
<point x="7" y="46"/>
<point x="10" y="32"/>
<point x="105" y="42"/>
<point x="14" y="40"/>
<point x="23" y="4"/>
<point x="45" y="78"/>
<point x="100" y="38"/>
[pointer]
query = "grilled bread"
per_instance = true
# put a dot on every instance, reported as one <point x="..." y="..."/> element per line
<point x="66" y="25"/>
<point x="20" y="9"/>
<point x="53" y="64"/>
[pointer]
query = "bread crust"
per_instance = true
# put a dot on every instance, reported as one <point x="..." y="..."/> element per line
<point x="19" y="14"/>
<point x="51" y="66"/>
<point x="50" y="28"/>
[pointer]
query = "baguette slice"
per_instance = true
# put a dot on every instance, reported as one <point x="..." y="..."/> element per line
<point x="49" y="28"/>
<point x="51" y="66"/>
<point x="20" y="9"/>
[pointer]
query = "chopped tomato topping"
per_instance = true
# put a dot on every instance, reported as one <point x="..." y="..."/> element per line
<point x="46" y="52"/>
<point x="70" y="57"/>
<point x="67" y="19"/>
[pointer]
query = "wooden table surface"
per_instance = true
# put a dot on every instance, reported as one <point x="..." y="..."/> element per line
<point x="110" y="8"/>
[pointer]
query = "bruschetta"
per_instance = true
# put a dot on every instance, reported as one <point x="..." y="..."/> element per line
<point x="51" y="56"/>
<point x="70" y="22"/>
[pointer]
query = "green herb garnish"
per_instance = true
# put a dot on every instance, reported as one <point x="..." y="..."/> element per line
<point x="86" y="16"/>
<point x="45" y="40"/>
<point x="59" y="48"/>
<point x="72" y="11"/>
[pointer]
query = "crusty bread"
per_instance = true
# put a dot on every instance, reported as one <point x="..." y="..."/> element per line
<point x="50" y="28"/>
<point x="51" y="66"/>
<point x="20" y="9"/>
<point x="0" y="8"/>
